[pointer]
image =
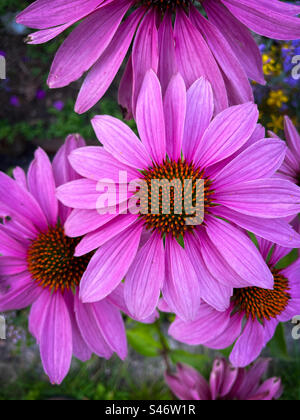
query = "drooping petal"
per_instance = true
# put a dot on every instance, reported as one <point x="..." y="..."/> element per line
<point x="110" y="322"/>
<point x="144" y="53"/>
<point x="181" y="288"/>
<point x="262" y="20"/>
<point x="11" y="247"/>
<point x="105" y="69"/>
<point x="125" y="91"/>
<point x="212" y="291"/>
<point x="80" y="348"/>
<point x="233" y="72"/>
<point x="240" y="252"/>
<point x="104" y="234"/>
<point x="82" y="221"/>
<point x="246" y="49"/>
<point x="56" y="339"/>
<point x="41" y="14"/>
<point x="145" y="278"/>
<point x="88" y="324"/>
<point x="249" y="345"/>
<point x="109" y="265"/>
<point x="217" y="265"/>
<point x="86" y="43"/>
<point x="226" y="339"/>
<point x="277" y="231"/>
<point x="195" y="59"/>
<point x="22" y="293"/>
<point x="116" y="297"/>
<point x="12" y="265"/>
<point x="200" y="330"/>
<point x="167" y="64"/>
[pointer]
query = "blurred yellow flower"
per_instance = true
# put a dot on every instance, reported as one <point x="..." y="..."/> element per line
<point x="276" y="124"/>
<point x="277" y="99"/>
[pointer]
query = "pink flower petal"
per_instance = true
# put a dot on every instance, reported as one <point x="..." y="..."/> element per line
<point x="150" y="119"/>
<point x="88" y="323"/>
<point x="175" y="113"/>
<point x="86" y="43"/>
<point x="199" y="112"/>
<point x="226" y="134"/>
<point x="56" y="339"/>
<point x="240" y="252"/>
<point x="145" y="278"/>
<point x="41" y="184"/>
<point x="121" y="142"/>
<point x="195" y="59"/>
<point x="105" y="69"/>
<point x="109" y="265"/>
<point x="144" y="53"/>
<point x="249" y="345"/>
<point x="181" y="288"/>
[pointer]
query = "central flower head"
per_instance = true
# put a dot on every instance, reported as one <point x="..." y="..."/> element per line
<point x="177" y="192"/>
<point x="263" y="304"/>
<point x="51" y="260"/>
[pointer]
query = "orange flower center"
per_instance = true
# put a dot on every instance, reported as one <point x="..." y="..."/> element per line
<point x="263" y="304"/>
<point x="176" y="199"/>
<point x="51" y="260"/>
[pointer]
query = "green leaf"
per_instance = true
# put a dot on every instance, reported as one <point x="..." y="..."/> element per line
<point x="142" y="338"/>
<point x="277" y="345"/>
<point x="287" y="260"/>
<point x="226" y="352"/>
<point x="197" y="361"/>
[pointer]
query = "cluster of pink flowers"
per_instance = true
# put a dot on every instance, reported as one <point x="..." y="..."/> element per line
<point x="80" y="258"/>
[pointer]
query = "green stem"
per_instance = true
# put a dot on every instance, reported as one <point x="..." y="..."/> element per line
<point x="165" y="345"/>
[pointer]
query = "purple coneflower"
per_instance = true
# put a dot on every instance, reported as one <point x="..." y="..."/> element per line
<point x="253" y="316"/>
<point x="40" y="270"/>
<point x="179" y="141"/>
<point x="226" y="383"/>
<point x="219" y="47"/>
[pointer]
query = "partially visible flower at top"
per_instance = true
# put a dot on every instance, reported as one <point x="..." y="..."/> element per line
<point x="290" y="168"/>
<point x="254" y="314"/>
<point x="226" y="383"/>
<point x="37" y="264"/>
<point x="59" y="105"/>
<point x="219" y="47"/>
<point x="180" y="141"/>
<point x="277" y="98"/>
